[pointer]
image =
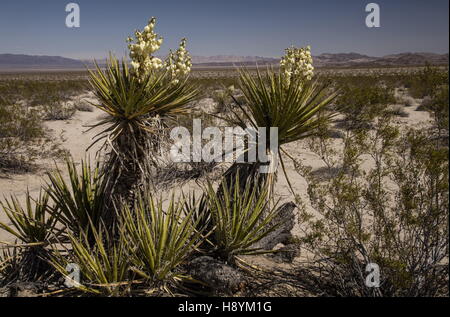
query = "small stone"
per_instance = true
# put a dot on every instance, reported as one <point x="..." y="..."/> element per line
<point x="217" y="275"/>
<point x="286" y="254"/>
<point x="5" y="292"/>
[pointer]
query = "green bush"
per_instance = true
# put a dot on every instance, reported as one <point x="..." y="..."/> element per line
<point x="394" y="215"/>
<point x="22" y="136"/>
<point x="362" y="102"/>
<point x="426" y="82"/>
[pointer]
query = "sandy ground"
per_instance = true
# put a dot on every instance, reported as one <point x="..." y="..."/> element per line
<point x="77" y="140"/>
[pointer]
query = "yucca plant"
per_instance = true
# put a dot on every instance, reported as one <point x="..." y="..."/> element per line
<point x="292" y="106"/>
<point x="10" y="265"/>
<point x="34" y="226"/>
<point x="137" y="107"/>
<point x="80" y="201"/>
<point x="159" y="239"/>
<point x="104" y="268"/>
<point x="198" y="209"/>
<point x="241" y="218"/>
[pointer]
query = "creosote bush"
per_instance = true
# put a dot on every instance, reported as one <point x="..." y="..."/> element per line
<point x="394" y="215"/>
<point x="363" y="102"/>
<point x="22" y="136"/>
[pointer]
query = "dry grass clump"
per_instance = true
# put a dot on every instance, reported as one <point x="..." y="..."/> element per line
<point x="83" y="106"/>
<point x="58" y="111"/>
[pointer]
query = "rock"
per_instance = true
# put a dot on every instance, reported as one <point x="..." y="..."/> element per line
<point x="5" y="292"/>
<point x="409" y="101"/>
<point x="286" y="253"/>
<point x="282" y="234"/>
<point x="217" y="275"/>
<point x="25" y="289"/>
<point x="83" y="105"/>
<point x="207" y="105"/>
<point x="425" y="104"/>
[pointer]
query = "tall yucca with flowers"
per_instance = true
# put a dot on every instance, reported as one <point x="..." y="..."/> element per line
<point x="139" y="98"/>
<point x="289" y="99"/>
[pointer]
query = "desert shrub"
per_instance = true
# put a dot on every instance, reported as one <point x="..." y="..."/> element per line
<point x="224" y="98"/>
<point x="55" y="110"/>
<point x="395" y="214"/>
<point x="427" y="81"/>
<point x="439" y="107"/>
<point x="363" y="101"/>
<point x="39" y="92"/>
<point x="22" y="136"/>
<point x="425" y="104"/>
<point x="209" y="85"/>
<point x="83" y="106"/>
<point x="408" y="101"/>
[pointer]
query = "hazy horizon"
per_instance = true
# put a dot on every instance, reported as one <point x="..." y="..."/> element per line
<point x="250" y="28"/>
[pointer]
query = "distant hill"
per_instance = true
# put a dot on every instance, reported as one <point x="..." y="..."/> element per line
<point x="14" y="61"/>
<point x="331" y="60"/>
<point x="358" y="60"/>
<point x="224" y="60"/>
<point x="29" y="62"/>
<point x="414" y="59"/>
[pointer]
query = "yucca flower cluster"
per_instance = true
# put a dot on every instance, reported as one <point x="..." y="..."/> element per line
<point x="179" y="63"/>
<point x="145" y="43"/>
<point x="297" y="63"/>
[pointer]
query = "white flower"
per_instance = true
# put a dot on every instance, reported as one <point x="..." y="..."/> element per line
<point x="146" y="43"/>
<point x="297" y="62"/>
<point x="179" y="63"/>
<point x="135" y="65"/>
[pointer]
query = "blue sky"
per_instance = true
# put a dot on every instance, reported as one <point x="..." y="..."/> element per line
<point x="225" y="27"/>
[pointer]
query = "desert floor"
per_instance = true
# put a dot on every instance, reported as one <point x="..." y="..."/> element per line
<point x="76" y="140"/>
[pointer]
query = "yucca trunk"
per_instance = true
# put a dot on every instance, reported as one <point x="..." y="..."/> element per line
<point x="125" y="170"/>
<point x="251" y="173"/>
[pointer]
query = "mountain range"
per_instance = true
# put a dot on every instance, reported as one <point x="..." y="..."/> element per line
<point x="30" y="62"/>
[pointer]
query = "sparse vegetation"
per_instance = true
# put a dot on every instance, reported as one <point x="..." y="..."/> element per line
<point x="381" y="216"/>
<point x="376" y="193"/>
<point x="23" y="138"/>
